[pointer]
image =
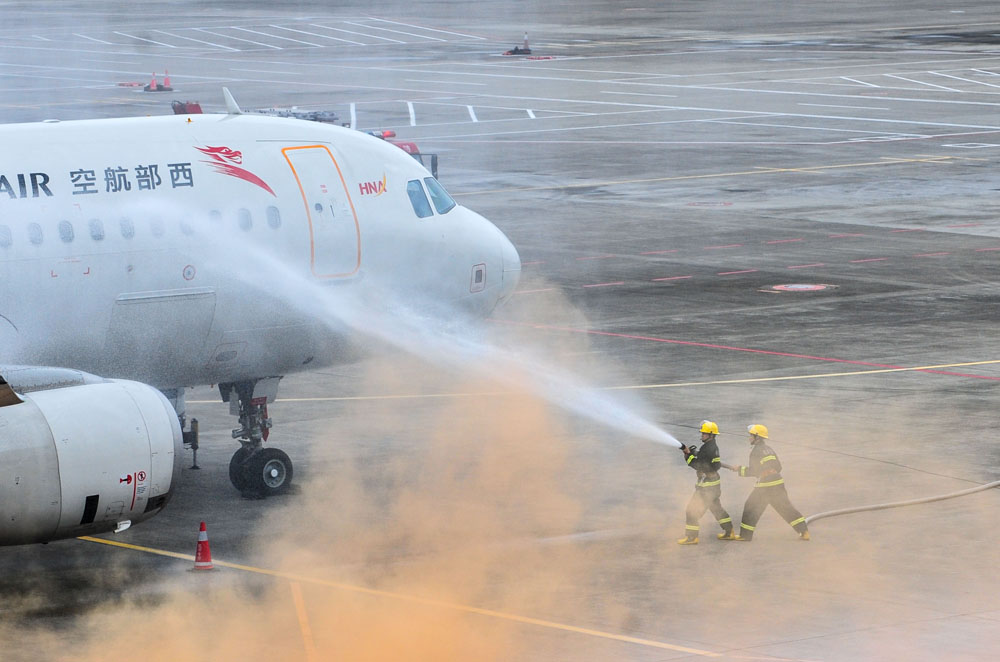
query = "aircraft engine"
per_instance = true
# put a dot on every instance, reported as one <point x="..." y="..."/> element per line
<point x="84" y="459"/>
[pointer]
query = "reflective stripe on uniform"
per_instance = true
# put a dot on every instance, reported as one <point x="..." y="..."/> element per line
<point x="747" y="527"/>
<point x="691" y="528"/>
<point x="690" y="458"/>
<point x="768" y="458"/>
<point x="725" y="520"/>
<point x="710" y="483"/>
<point x="743" y="471"/>
<point x="716" y="459"/>
<point x="798" y="521"/>
<point x="771" y="484"/>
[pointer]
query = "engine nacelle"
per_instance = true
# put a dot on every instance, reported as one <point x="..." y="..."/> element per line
<point x="85" y="459"/>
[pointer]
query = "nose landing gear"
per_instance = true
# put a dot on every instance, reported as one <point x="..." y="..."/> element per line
<point x="256" y="471"/>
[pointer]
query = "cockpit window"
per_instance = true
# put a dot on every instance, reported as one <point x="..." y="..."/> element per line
<point x="418" y="199"/>
<point x="443" y="202"/>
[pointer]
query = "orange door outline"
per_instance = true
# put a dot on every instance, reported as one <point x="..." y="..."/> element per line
<point x="309" y="212"/>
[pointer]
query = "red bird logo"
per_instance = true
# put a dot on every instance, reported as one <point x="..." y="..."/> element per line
<point x="227" y="161"/>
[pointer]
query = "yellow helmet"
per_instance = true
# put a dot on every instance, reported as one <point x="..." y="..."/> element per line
<point x="709" y="427"/>
<point x="757" y="429"/>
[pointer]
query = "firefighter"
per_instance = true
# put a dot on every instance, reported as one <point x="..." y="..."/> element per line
<point x="769" y="490"/>
<point x="708" y="490"/>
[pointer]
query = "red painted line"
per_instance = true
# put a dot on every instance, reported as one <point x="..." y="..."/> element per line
<point x="839" y="236"/>
<point x="932" y="254"/>
<point x="658" y="252"/>
<point x="730" y="273"/>
<point x="672" y="278"/>
<point x="966" y="225"/>
<point x="871" y="259"/>
<point x="785" y="241"/>
<point x="908" y="230"/>
<point x="981" y="250"/>
<point x="544" y="289"/>
<point x="689" y="343"/>
<point x="619" y="282"/>
<point x="597" y="257"/>
<point x="806" y="266"/>
<point x="708" y="248"/>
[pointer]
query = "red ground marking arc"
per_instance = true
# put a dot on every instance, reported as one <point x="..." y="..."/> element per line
<point x="691" y="343"/>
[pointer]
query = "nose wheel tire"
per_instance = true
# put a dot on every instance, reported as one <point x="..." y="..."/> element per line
<point x="268" y="472"/>
<point x="237" y="467"/>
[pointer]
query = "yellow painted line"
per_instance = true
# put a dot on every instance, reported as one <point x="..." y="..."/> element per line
<point x="300" y="611"/>
<point x="749" y="380"/>
<point x="768" y="171"/>
<point x="752" y="380"/>
<point x="526" y="620"/>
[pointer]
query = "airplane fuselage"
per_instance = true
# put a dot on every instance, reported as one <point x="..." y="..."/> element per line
<point x="140" y="248"/>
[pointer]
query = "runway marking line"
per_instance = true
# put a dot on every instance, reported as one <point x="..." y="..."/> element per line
<point x="769" y="171"/>
<point x="427" y="602"/>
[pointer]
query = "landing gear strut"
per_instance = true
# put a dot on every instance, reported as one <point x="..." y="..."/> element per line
<point x="254" y="470"/>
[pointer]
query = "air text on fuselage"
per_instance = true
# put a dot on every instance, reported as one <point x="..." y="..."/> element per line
<point x="36" y="182"/>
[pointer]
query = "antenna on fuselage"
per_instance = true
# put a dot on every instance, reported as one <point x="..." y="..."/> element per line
<point x="231" y="106"/>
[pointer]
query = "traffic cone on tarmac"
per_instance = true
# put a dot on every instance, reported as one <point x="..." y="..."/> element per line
<point x="166" y="79"/>
<point x="203" y="555"/>
<point x="153" y="85"/>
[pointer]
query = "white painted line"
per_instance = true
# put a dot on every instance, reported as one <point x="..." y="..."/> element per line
<point x="356" y="43"/>
<point x="100" y="41"/>
<point x="132" y="36"/>
<point x="420" y="27"/>
<point x="226" y="36"/>
<point x="274" y="36"/>
<point x="200" y="41"/>
<point x="859" y="82"/>
<point x="363" y="34"/>
<point x="441" y="82"/>
<point x="354" y="115"/>
<point x="640" y="94"/>
<point x="988" y="73"/>
<point x="40" y="38"/>
<point x="472" y="114"/>
<point x="918" y="82"/>
<point x="531" y="113"/>
<point x="409" y="34"/>
<point x="311" y="34"/>
<point x="413" y="115"/>
<point x="967" y="80"/>
<point x="827" y="105"/>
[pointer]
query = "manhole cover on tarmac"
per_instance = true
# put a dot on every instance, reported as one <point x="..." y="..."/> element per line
<point x="800" y="287"/>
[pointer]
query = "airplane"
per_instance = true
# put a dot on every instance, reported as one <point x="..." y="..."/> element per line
<point x="134" y="262"/>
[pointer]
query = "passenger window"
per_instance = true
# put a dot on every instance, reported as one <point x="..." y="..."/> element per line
<point x="245" y="220"/>
<point x="417" y="198"/>
<point x="35" y="233"/>
<point x="186" y="229"/>
<point x="273" y="218"/>
<point x="66" y="231"/>
<point x="215" y="215"/>
<point x="443" y="202"/>
<point x="128" y="229"/>
<point x="96" y="229"/>
<point x="5" y="238"/>
<point x="156" y="225"/>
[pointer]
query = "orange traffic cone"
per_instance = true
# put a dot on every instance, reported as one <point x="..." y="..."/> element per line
<point x="153" y="85"/>
<point x="203" y="555"/>
<point x="166" y="79"/>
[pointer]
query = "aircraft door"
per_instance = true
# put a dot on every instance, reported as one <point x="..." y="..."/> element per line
<point x="334" y="234"/>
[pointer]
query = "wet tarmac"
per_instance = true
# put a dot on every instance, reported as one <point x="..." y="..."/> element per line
<point x="770" y="213"/>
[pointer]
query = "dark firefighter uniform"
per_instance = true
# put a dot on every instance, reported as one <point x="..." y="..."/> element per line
<point x="708" y="490"/>
<point x="769" y="490"/>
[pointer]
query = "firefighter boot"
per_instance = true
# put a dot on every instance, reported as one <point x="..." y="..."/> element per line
<point x="687" y="541"/>
<point x="727" y="535"/>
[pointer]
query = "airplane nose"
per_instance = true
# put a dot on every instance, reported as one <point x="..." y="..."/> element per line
<point x="511" y="268"/>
